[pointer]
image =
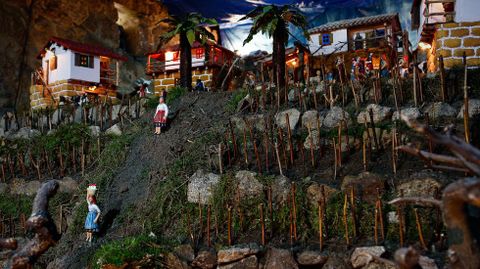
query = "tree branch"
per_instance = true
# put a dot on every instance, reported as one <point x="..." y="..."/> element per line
<point x="417" y="200"/>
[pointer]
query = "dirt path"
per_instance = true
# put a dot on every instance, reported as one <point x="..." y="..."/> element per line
<point x="191" y="117"/>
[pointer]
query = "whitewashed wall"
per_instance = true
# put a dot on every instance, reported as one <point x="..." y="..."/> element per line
<point x="85" y="73"/>
<point x="66" y="68"/>
<point x="340" y="37"/>
<point x="467" y="11"/>
<point x="63" y="64"/>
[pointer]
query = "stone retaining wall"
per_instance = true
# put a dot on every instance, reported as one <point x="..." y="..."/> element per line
<point x="453" y="39"/>
<point x="42" y="98"/>
<point x="166" y="81"/>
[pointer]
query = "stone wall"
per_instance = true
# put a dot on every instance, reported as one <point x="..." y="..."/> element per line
<point x="42" y="98"/>
<point x="166" y="81"/>
<point x="453" y="39"/>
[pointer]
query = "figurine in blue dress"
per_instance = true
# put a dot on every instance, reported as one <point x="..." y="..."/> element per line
<point x="91" y="222"/>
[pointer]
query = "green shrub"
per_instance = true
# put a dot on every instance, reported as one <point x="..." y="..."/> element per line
<point x="129" y="249"/>
<point x="236" y="97"/>
<point x="174" y="93"/>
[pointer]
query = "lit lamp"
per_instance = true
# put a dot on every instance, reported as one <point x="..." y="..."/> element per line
<point x="424" y="45"/>
<point x="169" y="56"/>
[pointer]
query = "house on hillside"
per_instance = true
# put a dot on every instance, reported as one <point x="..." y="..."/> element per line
<point x="379" y="36"/>
<point x="447" y="28"/>
<point x="210" y="63"/>
<point x="296" y="60"/>
<point x="70" y="68"/>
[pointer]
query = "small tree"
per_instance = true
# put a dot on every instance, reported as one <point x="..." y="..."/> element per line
<point x="191" y="28"/>
<point x="273" y="21"/>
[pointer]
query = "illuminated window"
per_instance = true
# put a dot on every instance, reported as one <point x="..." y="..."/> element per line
<point x="169" y="55"/>
<point x="83" y="60"/>
<point x="199" y="53"/>
<point x="326" y="39"/>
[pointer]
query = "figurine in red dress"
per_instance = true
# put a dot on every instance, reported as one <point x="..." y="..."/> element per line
<point x="160" y="118"/>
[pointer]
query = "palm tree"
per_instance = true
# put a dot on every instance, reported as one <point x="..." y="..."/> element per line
<point x="190" y="28"/>
<point x="273" y="21"/>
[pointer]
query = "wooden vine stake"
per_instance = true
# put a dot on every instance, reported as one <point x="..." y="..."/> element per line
<point x="312" y="150"/>
<point x="208" y="225"/>
<point x="442" y="78"/>
<point x="290" y="144"/>
<point x="229" y="227"/>
<point x="262" y="222"/>
<point x="278" y="159"/>
<point x="220" y="164"/>
<point x="345" y="218"/>
<point x="419" y="229"/>
<point x="352" y="208"/>
<point x="245" y="153"/>
<point x="294" y="207"/>
<point x="320" y="224"/>
<point x="465" y="100"/>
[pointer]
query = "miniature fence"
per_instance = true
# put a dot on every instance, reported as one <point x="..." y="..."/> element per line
<point x="12" y="226"/>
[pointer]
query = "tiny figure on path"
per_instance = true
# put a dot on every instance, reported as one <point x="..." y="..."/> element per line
<point x="160" y="118"/>
<point x="91" y="222"/>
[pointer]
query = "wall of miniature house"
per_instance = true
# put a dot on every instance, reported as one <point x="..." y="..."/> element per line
<point x="338" y="39"/>
<point x="452" y="40"/>
<point x="166" y="81"/>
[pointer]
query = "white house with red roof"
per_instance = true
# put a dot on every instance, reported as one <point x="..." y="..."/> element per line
<point x="71" y="68"/>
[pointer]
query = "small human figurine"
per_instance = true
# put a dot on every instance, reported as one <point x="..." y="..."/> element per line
<point x="199" y="87"/>
<point x="91" y="222"/>
<point x="160" y="118"/>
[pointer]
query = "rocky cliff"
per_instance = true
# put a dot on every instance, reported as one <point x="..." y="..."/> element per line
<point x="126" y="26"/>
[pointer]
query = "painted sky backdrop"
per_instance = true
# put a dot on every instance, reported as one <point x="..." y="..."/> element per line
<point x="318" y="12"/>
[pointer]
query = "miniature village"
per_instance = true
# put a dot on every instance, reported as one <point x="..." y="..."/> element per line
<point x="320" y="134"/>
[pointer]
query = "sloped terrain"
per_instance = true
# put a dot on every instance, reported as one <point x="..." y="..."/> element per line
<point x="146" y="160"/>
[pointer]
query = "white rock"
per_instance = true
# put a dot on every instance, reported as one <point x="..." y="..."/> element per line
<point x="293" y="118"/>
<point x="114" y="130"/>
<point x="439" y="110"/>
<point x="473" y="108"/>
<point x="248" y="185"/>
<point x="201" y="186"/>
<point x="380" y="113"/>
<point x="412" y="113"/>
<point x="335" y="116"/>
<point x="94" y="130"/>
<point x="360" y="256"/>
<point x="309" y="118"/>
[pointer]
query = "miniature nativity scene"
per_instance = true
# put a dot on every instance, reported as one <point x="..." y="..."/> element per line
<point x="248" y="135"/>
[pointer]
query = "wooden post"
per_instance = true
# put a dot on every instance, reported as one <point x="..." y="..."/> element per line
<point x="234" y="141"/>
<point x="345" y="219"/>
<point x="312" y="150"/>
<point x="270" y="208"/>
<point x="442" y="78"/>
<point x="278" y="159"/>
<point x="220" y="165"/>
<point x="229" y="227"/>
<point x="415" y="82"/>
<point x="262" y="222"/>
<point x="465" y="100"/>
<point x="419" y="229"/>
<point x="266" y="146"/>
<point x="374" y="132"/>
<point x="208" y="225"/>
<point x="364" y="154"/>
<point x="294" y="206"/>
<point x="352" y="208"/>
<point x="287" y="118"/>
<point x="320" y="224"/>
<point x="245" y="151"/>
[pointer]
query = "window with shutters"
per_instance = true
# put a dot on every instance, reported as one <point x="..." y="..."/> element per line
<point x="326" y="39"/>
<point x="53" y="63"/>
<point x="84" y="60"/>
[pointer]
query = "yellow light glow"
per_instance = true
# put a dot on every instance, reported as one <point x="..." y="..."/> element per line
<point x="169" y="56"/>
<point x="424" y="45"/>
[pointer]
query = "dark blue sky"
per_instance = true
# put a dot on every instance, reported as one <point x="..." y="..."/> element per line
<point x="227" y="13"/>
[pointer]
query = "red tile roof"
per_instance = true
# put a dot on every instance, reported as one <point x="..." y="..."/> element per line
<point x="82" y="48"/>
<point x="363" y="21"/>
